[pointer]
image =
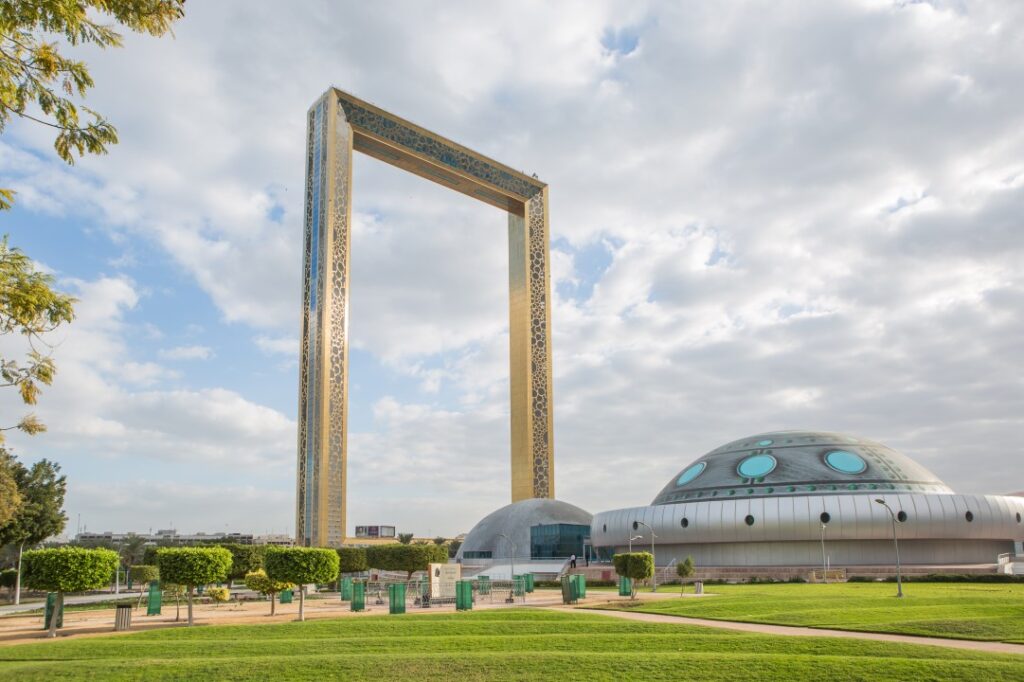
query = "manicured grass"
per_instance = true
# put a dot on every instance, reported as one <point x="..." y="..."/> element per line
<point x="517" y="644"/>
<point x="991" y="612"/>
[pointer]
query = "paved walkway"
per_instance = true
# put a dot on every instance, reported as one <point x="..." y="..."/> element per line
<point x="795" y="631"/>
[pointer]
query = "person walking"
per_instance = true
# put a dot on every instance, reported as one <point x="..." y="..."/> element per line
<point x="572" y="561"/>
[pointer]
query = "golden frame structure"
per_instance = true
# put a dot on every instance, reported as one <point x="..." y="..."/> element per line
<point x="337" y="125"/>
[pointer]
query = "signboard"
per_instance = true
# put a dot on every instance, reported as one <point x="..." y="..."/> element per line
<point x="442" y="580"/>
<point x="375" y="531"/>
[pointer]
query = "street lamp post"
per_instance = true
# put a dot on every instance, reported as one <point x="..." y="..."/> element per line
<point x="896" y="544"/>
<point x="654" y="573"/>
<point x="824" y="566"/>
<point x="635" y="537"/>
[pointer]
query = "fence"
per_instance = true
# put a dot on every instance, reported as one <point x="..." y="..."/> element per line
<point x="419" y="593"/>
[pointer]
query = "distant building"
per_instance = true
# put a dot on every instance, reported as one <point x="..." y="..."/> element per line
<point x="277" y="540"/>
<point x="165" y="537"/>
<point x="375" y="531"/>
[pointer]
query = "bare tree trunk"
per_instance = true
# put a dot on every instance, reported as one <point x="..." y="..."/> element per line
<point x="177" y="606"/>
<point x="273" y="602"/>
<point x="302" y="594"/>
<point x="55" y="614"/>
<point x="17" y="579"/>
<point x="190" y="605"/>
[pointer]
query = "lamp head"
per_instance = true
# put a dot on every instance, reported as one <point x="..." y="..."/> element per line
<point x="880" y="501"/>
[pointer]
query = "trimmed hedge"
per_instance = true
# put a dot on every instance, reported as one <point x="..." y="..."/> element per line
<point x="408" y="558"/>
<point x="353" y="559"/>
<point x="192" y="566"/>
<point x="143" y="573"/>
<point x="68" y="569"/>
<point x="8" y="577"/>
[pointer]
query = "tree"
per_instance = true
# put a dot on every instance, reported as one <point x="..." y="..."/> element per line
<point x="143" y="575"/>
<point x="41" y="515"/>
<point x="29" y="307"/>
<point x="8" y="578"/>
<point x="440" y="540"/>
<point x="405" y="538"/>
<point x="352" y="559"/>
<point x="10" y="497"/>
<point x="453" y="548"/>
<point x="684" y="571"/>
<point x="302" y="566"/>
<point x="38" y="83"/>
<point x="192" y="566"/>
<point x="69" y="569"/>
<point x="408" y="558"/>
<point x="244" y="559"/>
<point x="635" y="566"/>
<point x="132" y="549"/>
<point x="257" y="581"/>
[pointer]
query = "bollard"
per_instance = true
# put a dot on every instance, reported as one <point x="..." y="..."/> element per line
<point x="123" y="619"/>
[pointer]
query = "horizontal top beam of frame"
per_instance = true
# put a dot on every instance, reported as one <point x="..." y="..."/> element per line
<point x="406" y="145"/>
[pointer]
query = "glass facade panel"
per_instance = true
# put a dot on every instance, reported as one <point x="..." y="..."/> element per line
<point x="557" y="540"/>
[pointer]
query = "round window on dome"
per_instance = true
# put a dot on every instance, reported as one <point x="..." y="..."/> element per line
<point x="1018" y="517"/>
<point x="749" y="520"/>
<point x="691" y="473"/>
<point x="756" y="466"/>
<point x="685" y="522"/>
<point x="845" y="462"/>
<point x="969" y="516"/>
<point x="765" y="443"/>
<point x="825" y="517"/>
<point x="902" y="517"/>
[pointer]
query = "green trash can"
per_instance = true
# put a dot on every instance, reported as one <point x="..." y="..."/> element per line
<point x="51" y="602"/>
<point x="625" y="587"/>
<point x="286" y="596"/>
<point x="156" y="598"/>
<point x="396" y="598"/>
<point x="581" y="585"/>
<point x="529" y="582"/>
<point x="358" y="596"/>
<point x="483" y="584"/>
<point x="464" y="595"/>
<point x="346" y="589"/>
<point x="569" y="595"/>
<point x="518" y="585"/>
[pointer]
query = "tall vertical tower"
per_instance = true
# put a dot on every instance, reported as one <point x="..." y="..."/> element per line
<point x="337" y="125"/>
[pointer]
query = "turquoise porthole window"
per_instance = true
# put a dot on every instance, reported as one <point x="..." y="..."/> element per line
<point x="758" y="465"/>
<point x="691" y="473"/>
<point x="846" y="462"/>
<point x="765" y="443"/>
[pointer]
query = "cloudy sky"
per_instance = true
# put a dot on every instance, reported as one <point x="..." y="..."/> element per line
<point x="764" y="216"/>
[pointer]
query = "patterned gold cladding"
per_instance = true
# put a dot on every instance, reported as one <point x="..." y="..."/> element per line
<point x="339" y="123"/>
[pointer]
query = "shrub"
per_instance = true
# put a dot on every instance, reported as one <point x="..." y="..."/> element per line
<point x="192" y="566"/>
<point x="219" y="595"/>
<point x="143" y="574"/>
<point x="408" y="558"/>
<point x="68" y="569"/>
<point x="257" y="581"/>
<point x="9" y="578"/>
<point x="352" y="559"/>
<point x="635" y="566"/>
<point x="245" y="559"/>
<point x="684" y="571"/>
<point x="302" y="566"/>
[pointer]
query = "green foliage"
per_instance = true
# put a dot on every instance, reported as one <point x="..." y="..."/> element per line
<point x="634" y="565"/>
<point x="409" y="558"/>
<point x="144" y="574"/>
<point x="353" y="559"/>
<point x="8" y="578"/>
<point x="302" y="565"/>
<point x="405" y="538"/>
<point x="10" y="497"/>
<point x="192" y="566"/>
<point x="132" y="549"/>
<point x="440" y="540"/>
<point x="453" y="548"/>
<point x="686" y="569"/>
<point x="68" y="569"/>
<point x="218" y="595"/>
<point x="29" y="307"/>
<point x="42" y="490"/>
<point x="258" y="581"/>
<point x="244" y="559"/>
<point x="35" y="74"/>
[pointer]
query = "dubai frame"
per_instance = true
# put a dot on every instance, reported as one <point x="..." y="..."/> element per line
<point x="337" y="124"/>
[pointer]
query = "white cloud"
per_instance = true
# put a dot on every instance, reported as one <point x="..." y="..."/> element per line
<point x="187" y="353"/>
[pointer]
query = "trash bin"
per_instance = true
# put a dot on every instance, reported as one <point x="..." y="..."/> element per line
<point x="346" y="589"/>
<point x="518" y="585"/>
<point x="625" y="587"/>
<point x="358" y="596"/>
<point x="483" y="584"/>
<point x="698" y="587"/>
<point x="463" y="595"/>
<point x="123" y="619"/>
<point x="396" y="598"/>
<point x="286" y="596"/>
<point x="51" y="602"/>
<point x="156" y="598"/>
<point x="569" y="590"/>
<point x="529" y="581"/>
<point x="581" y="585"/>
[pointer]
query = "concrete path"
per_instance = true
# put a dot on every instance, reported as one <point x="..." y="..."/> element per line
<point x="794" y="631"/>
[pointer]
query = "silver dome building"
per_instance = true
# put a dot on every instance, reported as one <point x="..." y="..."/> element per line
<point x="774" y="498"/>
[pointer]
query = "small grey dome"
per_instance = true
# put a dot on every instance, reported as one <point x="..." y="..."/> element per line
<point x="515" y="520"/>
<point x="798" y="462"/>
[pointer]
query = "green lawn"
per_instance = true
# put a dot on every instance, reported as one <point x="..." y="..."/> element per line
<point x="519" y="644"/>
<point x="993" y="612"/>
